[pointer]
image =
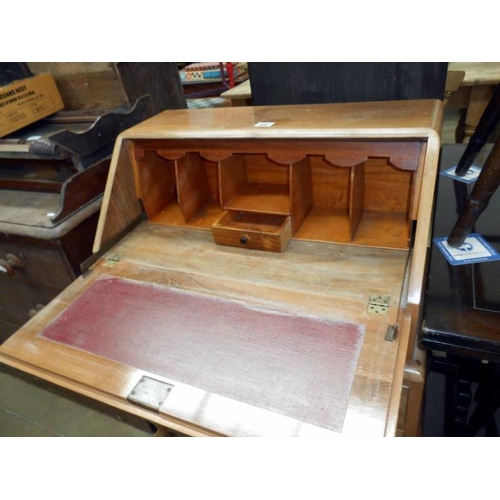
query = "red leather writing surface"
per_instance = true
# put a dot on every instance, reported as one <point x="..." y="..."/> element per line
<point x="294" y="365"/>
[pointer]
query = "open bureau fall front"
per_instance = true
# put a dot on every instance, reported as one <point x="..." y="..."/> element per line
<point x="256" y="271"/>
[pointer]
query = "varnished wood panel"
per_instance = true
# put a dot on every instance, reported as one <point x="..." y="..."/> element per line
<point x="233" y="177"/>
<point x="157" y="186"/>
<point x="330" y="184"/>
<point x="403" y="153"/>
<point x="120" y="206"/>
<point x="81" y="188"/>
<point x="346" y="276"/>
<point x="326" y="224"/>
<point x="171" y="215"/>
<point x="387" y="188"/>
<point x="264" y="198"/>
<point x="357" y="196"/>
<point x="397" y="120"/>
<point x="193" y="190"/>
<point x="262" y="170"/>
<point x="301" y="192"/>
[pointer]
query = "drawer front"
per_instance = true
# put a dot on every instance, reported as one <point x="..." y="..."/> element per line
<point x="30" y="265"/>
<point x="19" y="302"/>
<point x="7" y="330"/>
<point x="254" y="231"/>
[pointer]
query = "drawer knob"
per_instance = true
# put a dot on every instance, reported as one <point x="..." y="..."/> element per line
<point x="14" y="261"/>
<point x="35" y="311"/>
<point x="244" y="240"/>
<point x="6" y="268"/>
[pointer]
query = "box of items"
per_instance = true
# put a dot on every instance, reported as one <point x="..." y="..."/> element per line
<point x="26" y="101"/>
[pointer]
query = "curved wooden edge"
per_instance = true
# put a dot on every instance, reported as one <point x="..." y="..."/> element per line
<point x="185" y="405"/>
<point x="337" y="161"/>
<point x="81" y="189"/>
<point x="171" y="154"/>
<point x="107" y="399"/>
<point x="286" y="159"/>
<point x="388" y="119"/>
<point x="216" y="156"/>
<point x="422" y="236"/>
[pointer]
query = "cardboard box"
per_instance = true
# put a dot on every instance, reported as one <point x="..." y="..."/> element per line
<point x="26" y="101"/>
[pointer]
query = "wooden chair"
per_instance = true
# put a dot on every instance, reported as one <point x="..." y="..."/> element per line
<point x="489" y="178"/>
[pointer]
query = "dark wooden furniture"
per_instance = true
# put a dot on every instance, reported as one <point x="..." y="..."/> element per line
<point x="477" y="201"/>
<point x="462" y="307"/>
<point x="53" y="174"/>
<point x="485" y="127"/>
<point x="52" y="178"/>
<point x="307" y="83"/>
<point x="96" y="88"/>
<point x="48" y="217"/>
<point x="489" y="178"/>
<point x="472" y="95"/>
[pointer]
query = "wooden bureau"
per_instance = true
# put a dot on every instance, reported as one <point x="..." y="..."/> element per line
<point x="258" y="271"/>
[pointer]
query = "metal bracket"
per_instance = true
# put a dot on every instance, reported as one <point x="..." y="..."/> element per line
<point x="390" y="334"/>
<point x="378" y="304"/>
<point x="150" y="393"/>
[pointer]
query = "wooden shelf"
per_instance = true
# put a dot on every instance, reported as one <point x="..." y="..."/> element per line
<point x="376" y="228"/>
<point x="262" y="198"/>
<point x="325" y="224"/>
<point x="366" y="203"/>
<point x="171" y="215"/>
<point x="383" y="229"/>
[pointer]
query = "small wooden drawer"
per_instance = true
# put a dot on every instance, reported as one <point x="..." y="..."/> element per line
<point x="45" y="266"/>
<point x="253" y="230"/>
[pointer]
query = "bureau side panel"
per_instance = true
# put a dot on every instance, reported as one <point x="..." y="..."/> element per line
<point x="120" y="206"/>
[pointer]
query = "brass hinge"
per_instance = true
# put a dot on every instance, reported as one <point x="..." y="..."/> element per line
<point x="378" y="304"/>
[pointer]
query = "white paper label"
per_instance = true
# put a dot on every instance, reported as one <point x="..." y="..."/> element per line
<point x="474" y="249"/>
<point x="470" y="177"/>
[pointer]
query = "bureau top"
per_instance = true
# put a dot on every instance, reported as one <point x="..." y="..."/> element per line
<point x="391" y="119"/>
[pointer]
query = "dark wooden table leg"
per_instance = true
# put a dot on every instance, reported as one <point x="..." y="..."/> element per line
<point x="487" y="123"/>
<point x="488" y="401"/>
<point x="458" y="393"/>
<point x="486" y="184"/>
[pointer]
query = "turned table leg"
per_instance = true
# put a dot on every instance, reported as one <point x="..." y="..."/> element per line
<point x="486" y="184"/>
<point x="485" y="126"/>
<point x="480" y="95"/>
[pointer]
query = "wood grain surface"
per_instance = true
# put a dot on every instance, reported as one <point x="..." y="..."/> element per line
<point x="331" y="282"/>
<point x="354" y="242"/>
